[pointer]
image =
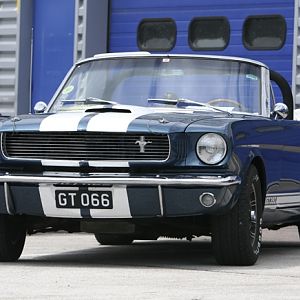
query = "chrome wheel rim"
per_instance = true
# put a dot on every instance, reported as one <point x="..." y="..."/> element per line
<point x="253" y="215"/>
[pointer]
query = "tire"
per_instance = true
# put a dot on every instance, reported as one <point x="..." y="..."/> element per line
<point x="12" y="237"/>
<point x="113" y="239"/>
<point x="236" y="237"/>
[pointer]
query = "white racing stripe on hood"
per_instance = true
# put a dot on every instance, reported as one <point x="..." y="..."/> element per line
<point x="113" y="121"/>
<point x="119" y="122"/>
<point x="62" y="122"/>
<point x="103" y="122"/>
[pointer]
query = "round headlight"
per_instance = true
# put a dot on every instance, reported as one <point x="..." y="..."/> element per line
<point x="211" y="148"/>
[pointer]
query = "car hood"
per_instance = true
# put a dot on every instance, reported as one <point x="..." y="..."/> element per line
<point x="158" y="120"/>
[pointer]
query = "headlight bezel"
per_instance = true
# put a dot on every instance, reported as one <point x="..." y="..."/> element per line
<point x="219" y="155"/>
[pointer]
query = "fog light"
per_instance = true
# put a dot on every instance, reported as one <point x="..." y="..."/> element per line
<point x="207" y="199"/>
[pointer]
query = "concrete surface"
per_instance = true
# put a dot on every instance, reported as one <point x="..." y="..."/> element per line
<point x="73" y="266"/>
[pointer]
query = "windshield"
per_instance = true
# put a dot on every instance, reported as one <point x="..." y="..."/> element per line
<point x="152" y="81"/>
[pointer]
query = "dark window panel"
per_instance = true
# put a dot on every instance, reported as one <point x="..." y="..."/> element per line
<point x="156" y="34"/>
<point x="209" y="33"/>
<point x="264" y="32"/>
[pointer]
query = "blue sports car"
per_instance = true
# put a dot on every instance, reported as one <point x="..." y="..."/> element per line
<point x="137" y="146"/>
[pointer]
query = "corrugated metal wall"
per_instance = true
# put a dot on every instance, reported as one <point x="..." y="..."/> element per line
<point x="91" y="22"/>
<point x="8" y="46"/>
<point x="126" y="15"/>
<point x="80" y="24"/>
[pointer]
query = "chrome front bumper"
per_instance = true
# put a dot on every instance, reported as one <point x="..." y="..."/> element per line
<point x="161" y="195"/>
<point x="217" y="181"/>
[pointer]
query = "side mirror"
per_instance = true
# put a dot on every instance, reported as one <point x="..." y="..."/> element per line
<point x="280" y="111"/>
<point x="40" y="107"/>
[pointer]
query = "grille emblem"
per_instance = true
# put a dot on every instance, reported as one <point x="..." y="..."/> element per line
<point x="142" y="143"/>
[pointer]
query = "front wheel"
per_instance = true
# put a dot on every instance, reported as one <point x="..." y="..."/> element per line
<point x="113" y="239"/>
<point x="12" y="237"/>
<point x="237" y="236"/>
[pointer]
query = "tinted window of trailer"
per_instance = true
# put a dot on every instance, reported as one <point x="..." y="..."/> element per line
<point x="157" y="34"/>
<point x="264" y="32"/>
<point x="209" y="33"/>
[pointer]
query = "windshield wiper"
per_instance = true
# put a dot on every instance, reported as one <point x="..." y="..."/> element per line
<point x="90" y="100"/>
<point x="163" y="101"/>
<point x="181" y="102"/>
<point x="188" y="102"/>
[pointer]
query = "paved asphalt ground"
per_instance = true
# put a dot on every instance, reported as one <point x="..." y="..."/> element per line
<point x="73" y="266"/>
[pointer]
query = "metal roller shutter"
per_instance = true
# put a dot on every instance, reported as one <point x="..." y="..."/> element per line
<point x="8" y="46"/>
<point x="125" y="17"/>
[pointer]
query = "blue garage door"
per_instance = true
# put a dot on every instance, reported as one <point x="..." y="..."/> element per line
<point x="126" y="16"/>
<point x="53" y="40"/>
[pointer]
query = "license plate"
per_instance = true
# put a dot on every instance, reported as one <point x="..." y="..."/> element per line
<point x="83" y="199"/>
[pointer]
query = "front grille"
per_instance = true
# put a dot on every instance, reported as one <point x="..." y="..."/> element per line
<point x="86" y="146"/>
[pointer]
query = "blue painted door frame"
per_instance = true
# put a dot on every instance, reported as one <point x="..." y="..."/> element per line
<point x="53" y="44"/>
